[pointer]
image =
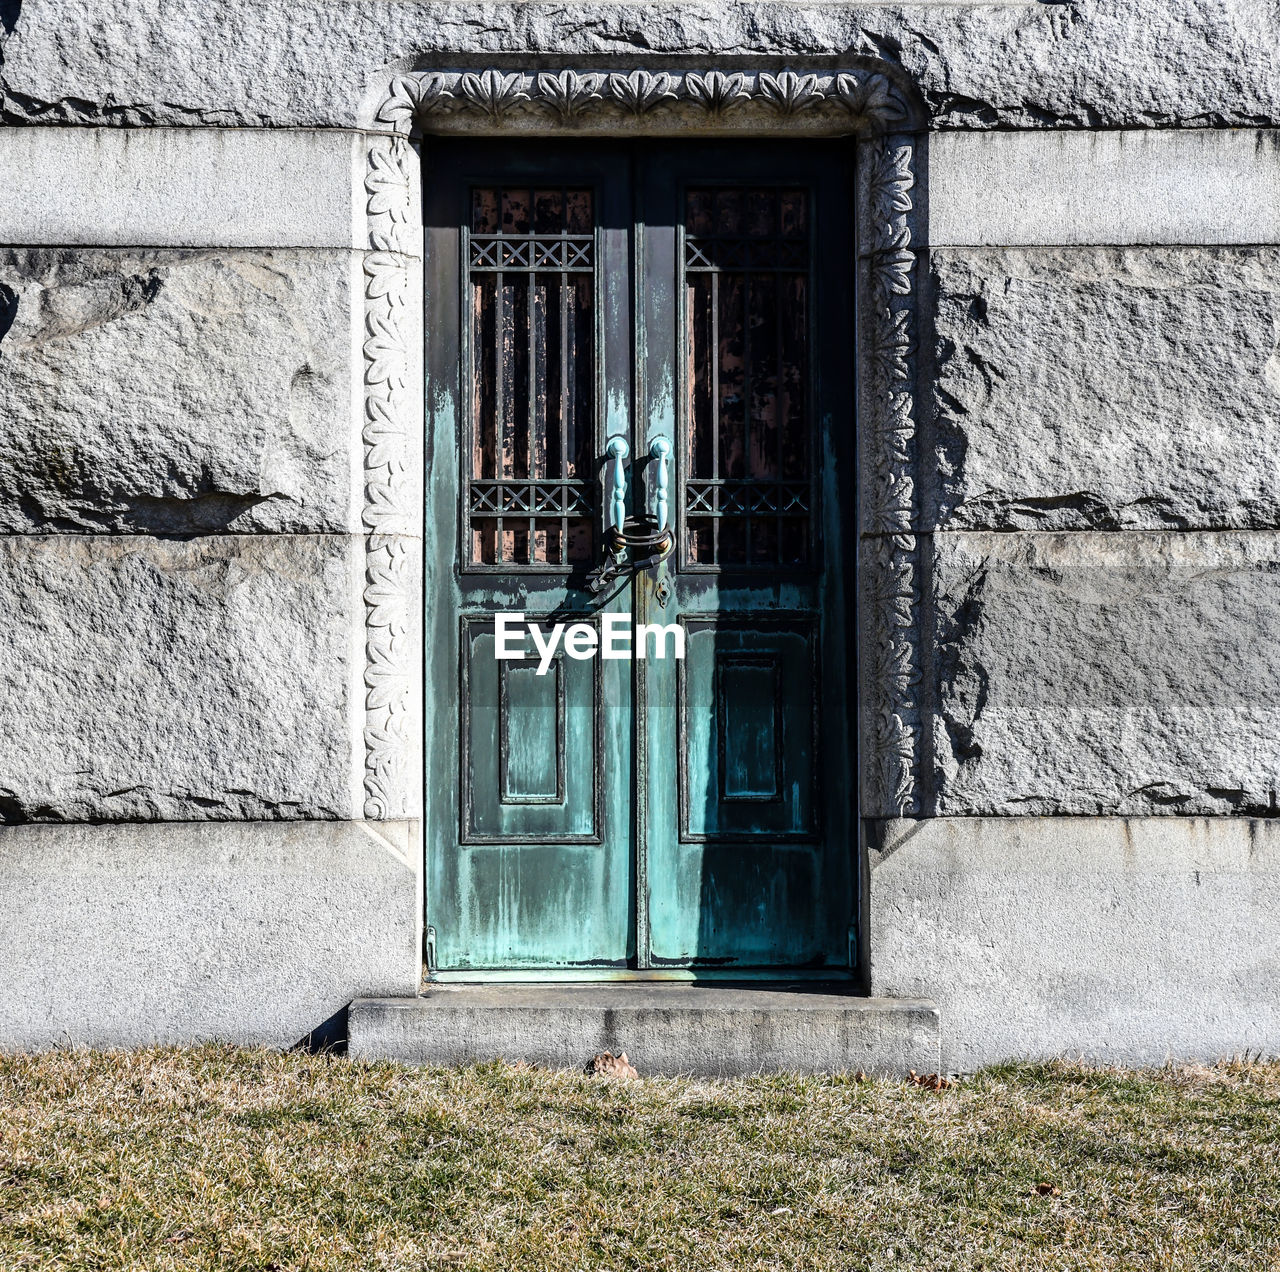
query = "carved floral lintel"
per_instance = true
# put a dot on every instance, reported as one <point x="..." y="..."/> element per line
<point x="863" y="99"/>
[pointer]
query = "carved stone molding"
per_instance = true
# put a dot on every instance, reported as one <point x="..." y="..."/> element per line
<point x="389" y="514"/>
<point x="863" y="101"/>
<point x="889" y="641"/>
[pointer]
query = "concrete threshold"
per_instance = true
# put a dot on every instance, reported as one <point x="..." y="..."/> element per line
<point x="665" y="1029"/>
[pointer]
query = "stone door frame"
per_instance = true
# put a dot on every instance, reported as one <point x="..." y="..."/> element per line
<point x="861" y="99"/>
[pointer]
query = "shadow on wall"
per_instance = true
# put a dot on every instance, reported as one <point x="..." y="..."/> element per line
<point x="8" y="309"/>
<point x="9" y="11"/>
<point x="328" y="1036"/>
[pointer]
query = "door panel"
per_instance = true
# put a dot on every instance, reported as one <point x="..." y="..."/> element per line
<point x="747" y="276"/>
<point x="615" y="817"/>
<point x="531" y="906"/>
<point x="528" y="347"/>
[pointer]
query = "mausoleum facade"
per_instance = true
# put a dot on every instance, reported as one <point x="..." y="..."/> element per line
<point x="914" y="367"/>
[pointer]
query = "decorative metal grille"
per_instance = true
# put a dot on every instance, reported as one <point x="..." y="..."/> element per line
<point x="747" y="498"/>
<point x="748" y="493"/>
<point x="499" y="253"/>
<point x="531" y="273"/>
<point x="537" y="499"/>
<point x="746" y="254"/>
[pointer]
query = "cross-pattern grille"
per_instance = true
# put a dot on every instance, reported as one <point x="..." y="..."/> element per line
<point x="748" y="493"/>
<point x="747" y="498"/>
<point x="743" y="253"/>
<point x="496" y="252"/>
<point x="536" y="499"/>
<point x="531" y="271"/>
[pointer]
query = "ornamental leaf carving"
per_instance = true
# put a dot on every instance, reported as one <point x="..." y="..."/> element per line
<point x="388" y="488"/>
<point x="569" y="93"/>
<point x="873" y="99"/>
<point x="387" y="182"/>
<point x="411" y="96"/>
<point x="894" y="745"/>
<point x="385" y="275"/>
<point x="894" y="345"/>
<point x="384" y="350"/>
<point x="890" y="582"/>
<point x="384" y="507"/>
<point x="891" y="181"/>
<point x="388" y="679"/>
<point x="891" y="504"/>
<point x="641" y="91"/>
<point x="390" y="691"/>
<point x="394" y="730"/>
<point x="385" y="597"/>
<point x="789" y="93"/>
<point x="897" y="430"/>
<point x="716" y="92"/>
<point x="890" y="592"/>
<point x="384" y="436"/>
<point x="389" y="745"/>
<point x="892" y="263"/>
<point x="890" y="664"/>
<point x="492" y="93"/>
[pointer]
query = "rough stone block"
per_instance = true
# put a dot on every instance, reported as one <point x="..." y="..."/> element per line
<point x="179" y="391"/>
<point x="1046" y="188"/>
<point x="1126" y="941"/>
<point x="1126" y="63"/>
<point x="1107" y="673"/>
<point x="1105" y="388"/>
<point x="165" y="680"/>
<point x="122" y="936"/>
<point x="181" y="187"/>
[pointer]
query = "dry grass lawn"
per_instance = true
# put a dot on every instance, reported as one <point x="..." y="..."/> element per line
<point x="217" y="1158"/>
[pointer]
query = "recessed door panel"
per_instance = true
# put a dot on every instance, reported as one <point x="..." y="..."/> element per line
<point x="748" y="729"/>
<point x="532" y="764"/>
<point x="727" y="905"/>
<point x="529" y="906"/>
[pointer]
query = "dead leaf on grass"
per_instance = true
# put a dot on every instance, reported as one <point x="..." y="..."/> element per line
<point x="932" y="1081"/>
<point x="607" y="1065"/>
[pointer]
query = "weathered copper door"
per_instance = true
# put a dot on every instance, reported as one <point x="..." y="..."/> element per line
<point x="650" y="341"/>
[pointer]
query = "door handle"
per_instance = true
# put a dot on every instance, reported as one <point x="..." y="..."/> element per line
<point x="617" y="449"/>
<point x="661" y="453"/>
<point x="624" y="534"/>
<point x="614" y="565"/>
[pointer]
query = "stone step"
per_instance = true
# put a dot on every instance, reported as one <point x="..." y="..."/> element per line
<point x="704" y="1030"/>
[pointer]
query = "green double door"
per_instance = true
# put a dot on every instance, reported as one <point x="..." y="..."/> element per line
<point x="646" y="333"/>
